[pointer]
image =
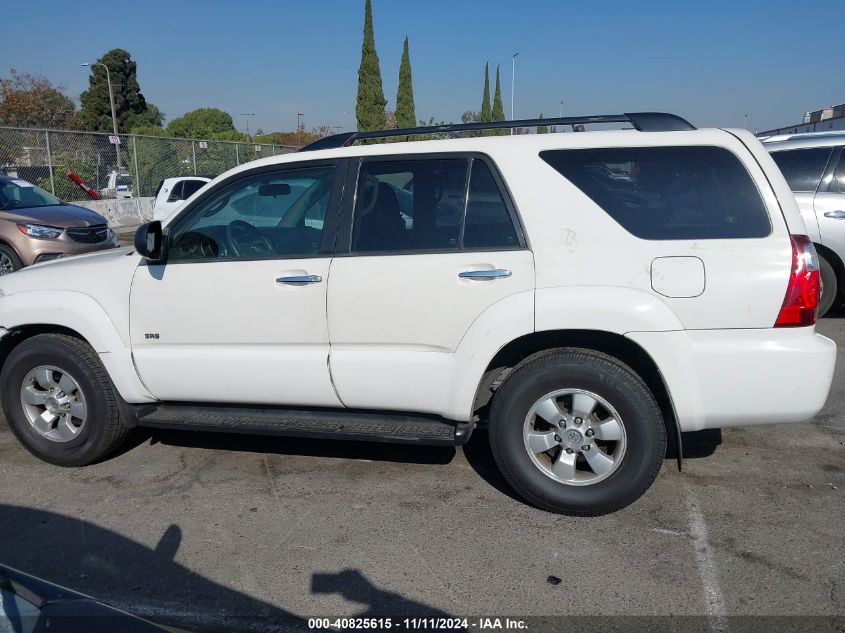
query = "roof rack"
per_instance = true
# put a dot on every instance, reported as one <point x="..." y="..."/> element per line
<point x="642" y="121"/>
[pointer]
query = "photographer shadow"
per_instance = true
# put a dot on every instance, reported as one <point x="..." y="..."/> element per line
<point x="148" y="582"/>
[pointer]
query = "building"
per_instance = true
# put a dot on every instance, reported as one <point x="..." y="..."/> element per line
<point x="824" y="120"/>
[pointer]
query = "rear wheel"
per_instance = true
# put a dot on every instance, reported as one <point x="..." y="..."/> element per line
<point x="59" y="401"/>
<point x="830" y="286"/>
<point x="577" y="432"/>
<point x="9" y="260"/>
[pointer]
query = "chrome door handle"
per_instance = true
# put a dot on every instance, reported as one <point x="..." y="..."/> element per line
<point x="836" y="215"/>
<point x="300" y="280"/>
<point x="496" y="273"/>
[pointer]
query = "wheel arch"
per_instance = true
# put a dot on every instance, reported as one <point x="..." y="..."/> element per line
<point x="838" y="266"/>
<point x="18" y="334"/>
<point x="8" y="244"/>
<point x="521" y="350"/>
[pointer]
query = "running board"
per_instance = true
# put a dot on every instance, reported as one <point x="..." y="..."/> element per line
<point x="369" y="426"/>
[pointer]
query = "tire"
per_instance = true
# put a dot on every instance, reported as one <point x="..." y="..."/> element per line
<point x="830" y="286"/>
<point x="97" y="429"/>
<point x="9" y="260"/>
<point x="618" y="393"/>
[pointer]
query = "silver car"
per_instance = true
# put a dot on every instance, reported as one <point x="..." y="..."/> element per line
<point x="814" y="167"/>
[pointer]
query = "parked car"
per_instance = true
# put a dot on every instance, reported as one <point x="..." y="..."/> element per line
<point x="600" y="292"/>
<point x="29" y="603"/>
<point x="814" y="166"/>
<point x="35" y="226"/>
<point x="118" y="185"/>
<point x="172" y="192"/>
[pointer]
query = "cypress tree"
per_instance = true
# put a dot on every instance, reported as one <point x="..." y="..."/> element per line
<point x="498" y="108"/>
<point x="486" y="113"/>
<point x="369" y="109"/>
<point x="405" y="115"/>
<point x="542" y="129"/>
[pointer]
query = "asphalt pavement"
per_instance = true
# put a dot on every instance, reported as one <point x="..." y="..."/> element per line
<point x="221" y="532"/>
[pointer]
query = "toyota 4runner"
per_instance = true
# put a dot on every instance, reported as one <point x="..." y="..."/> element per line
<point x="585" y="296"/>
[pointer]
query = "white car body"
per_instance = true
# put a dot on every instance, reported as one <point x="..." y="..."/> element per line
<point x="172" y="192"/>
<point x="118" y="185"/>
<point x="439" y="283"/>
<point x="322" y="345"/>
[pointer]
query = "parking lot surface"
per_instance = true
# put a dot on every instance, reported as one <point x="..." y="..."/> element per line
<point x="221" y="532"/>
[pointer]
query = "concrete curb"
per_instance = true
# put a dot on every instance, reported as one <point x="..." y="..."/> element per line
<point x="121" y="212"/>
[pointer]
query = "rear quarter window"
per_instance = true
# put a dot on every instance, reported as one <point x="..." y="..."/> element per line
<point x="803" y="168"/>
<point x="668" y="193"/>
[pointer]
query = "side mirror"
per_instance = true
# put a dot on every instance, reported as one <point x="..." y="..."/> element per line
<point x="149" y="241"/>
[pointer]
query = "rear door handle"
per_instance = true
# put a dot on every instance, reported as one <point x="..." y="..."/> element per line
<point x="299" y="280"/>
<point x="495" y="273"/>
<point x="836" y="215"/>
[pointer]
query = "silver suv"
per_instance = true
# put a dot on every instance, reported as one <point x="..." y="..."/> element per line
<point x="814" y="167"/>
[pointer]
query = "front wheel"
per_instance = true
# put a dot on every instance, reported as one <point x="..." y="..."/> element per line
<point x="59" y="401"/>
<point x="577" y="432"/>
<point x="9" y="260"/>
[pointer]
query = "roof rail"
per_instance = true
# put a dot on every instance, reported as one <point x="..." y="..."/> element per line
<point x="642" y="121"/>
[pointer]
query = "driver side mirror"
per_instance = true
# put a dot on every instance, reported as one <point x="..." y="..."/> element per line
<point x="149" y="241"/>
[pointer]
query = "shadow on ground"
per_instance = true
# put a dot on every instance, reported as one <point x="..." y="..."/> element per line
<point x="148" y="582"/>
<point x="339" y="449"/>
<point x="698" y="444"/>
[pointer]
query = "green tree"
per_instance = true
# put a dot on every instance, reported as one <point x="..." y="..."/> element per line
<point x="28" y="101"/>
<point x="542" y="129"/>
<point x="369" y="109"/>
<point x="498" y="108"/>
<point x="405" y="115"/>
<point x="130" y="105"/>
<point x="486" y="113"/>
<point x="201" y="123"/>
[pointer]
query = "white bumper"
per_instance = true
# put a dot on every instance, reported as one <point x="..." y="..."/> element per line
<point x="721" y="378"/>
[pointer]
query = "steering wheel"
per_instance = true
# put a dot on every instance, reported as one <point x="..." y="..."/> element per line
<point x="247" y="241"/>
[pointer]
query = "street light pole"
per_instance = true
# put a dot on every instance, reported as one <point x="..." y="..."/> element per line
<point x="560" y="114"/>
<point x="247" y="115"/>
<point x="113" y="113"/>
<point x="513" y="85"/>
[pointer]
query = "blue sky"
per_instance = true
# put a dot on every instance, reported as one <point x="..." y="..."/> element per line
<point x="711" y="62"/>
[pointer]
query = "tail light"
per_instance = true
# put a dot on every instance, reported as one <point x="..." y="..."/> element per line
<point x="802" y="293"/>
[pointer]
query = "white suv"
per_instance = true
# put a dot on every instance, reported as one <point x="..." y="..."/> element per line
<point x="585" y="296"/>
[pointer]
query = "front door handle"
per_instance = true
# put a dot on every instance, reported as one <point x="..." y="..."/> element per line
<point x="836" y="215"/>
<point x="299" y="280"/>
<point x="495" y="273"/>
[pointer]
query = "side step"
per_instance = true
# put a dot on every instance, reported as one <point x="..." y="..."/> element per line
<point x="370" y="426"/>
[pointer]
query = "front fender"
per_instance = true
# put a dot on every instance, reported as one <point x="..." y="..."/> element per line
<point x="85" y="316"/>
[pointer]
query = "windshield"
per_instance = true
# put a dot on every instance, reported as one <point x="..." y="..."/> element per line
<point x="19" y="194"/>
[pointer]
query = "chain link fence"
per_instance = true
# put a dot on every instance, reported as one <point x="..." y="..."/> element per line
<point x="134" y="167"/>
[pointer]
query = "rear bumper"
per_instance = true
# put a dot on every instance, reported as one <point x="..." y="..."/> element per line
<point x="722" y="378"/>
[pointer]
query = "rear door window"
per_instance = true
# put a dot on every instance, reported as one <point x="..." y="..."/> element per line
<point x="803" y="168"/>
<point x="837" y="185"/>
<point x="668" y="193"/>
<point x="488" y="222"/>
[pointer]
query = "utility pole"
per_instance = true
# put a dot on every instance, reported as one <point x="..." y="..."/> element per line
<point x="113" y="113"/>
<point x="513" y="85"/>
<point x="247" y="115"/>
